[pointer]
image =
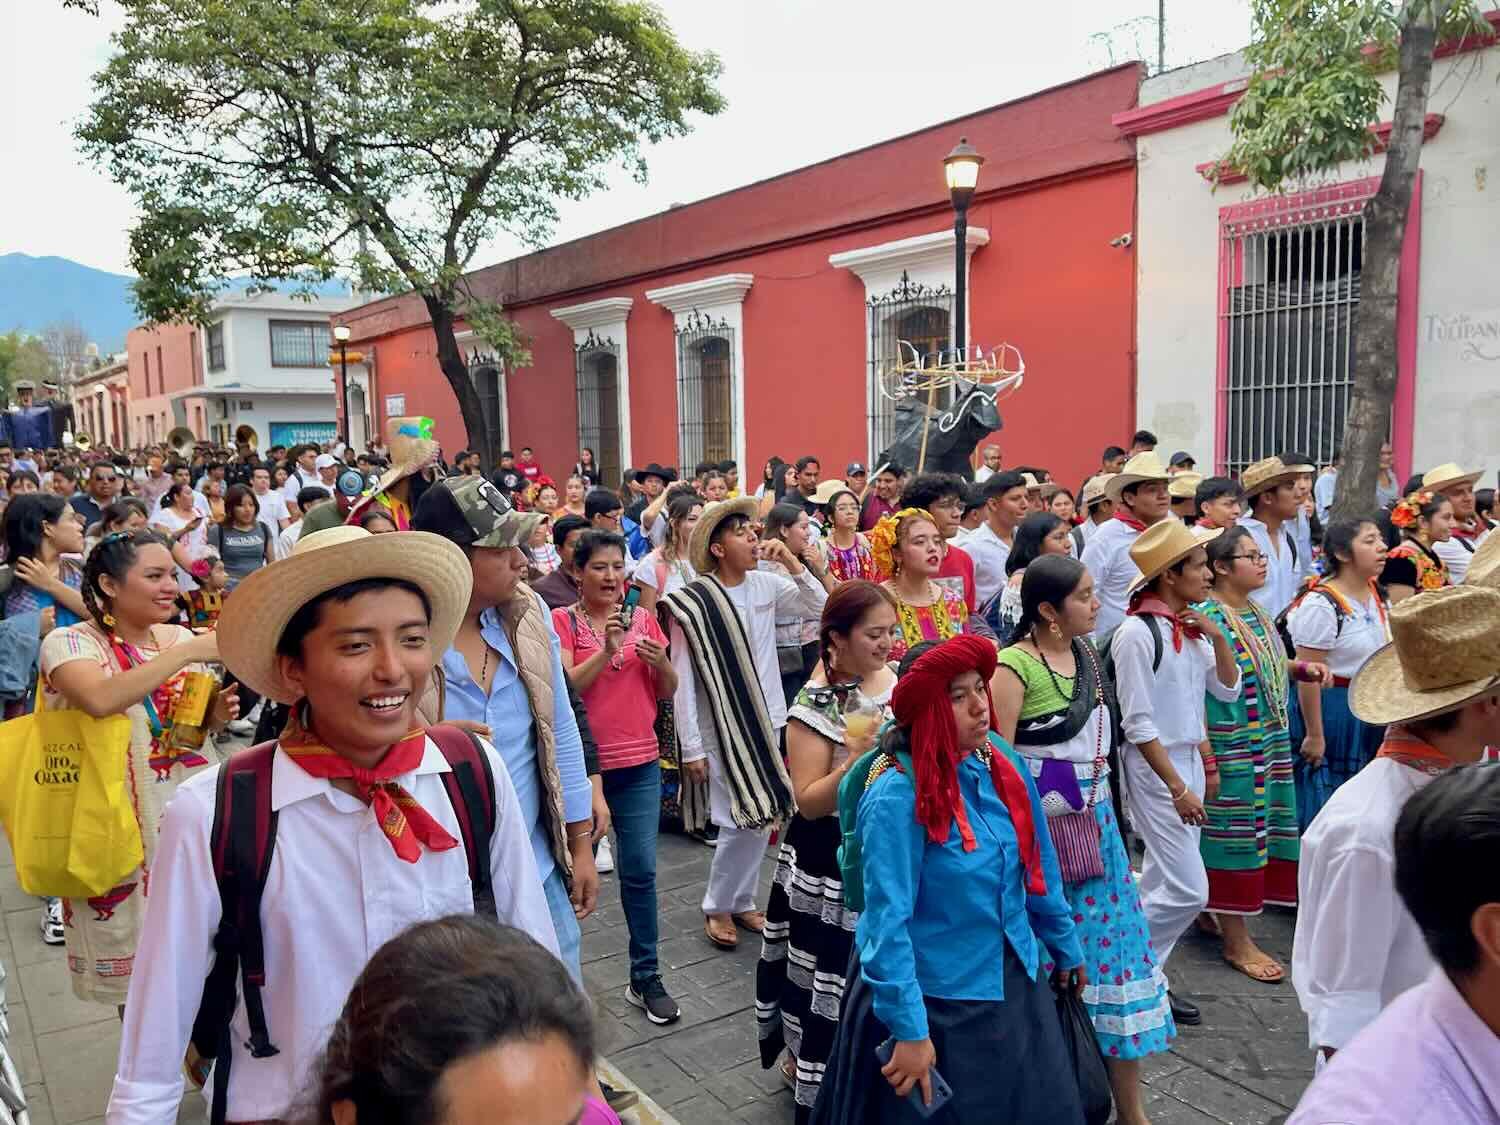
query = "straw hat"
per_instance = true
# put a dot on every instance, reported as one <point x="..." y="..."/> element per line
<point x="1166" y="544"/>
<point x="412" y="449"/>
<point x="255" y="617"/>
<point x="1139" y="469"/>
<point x="1094" y="490"/>
<point x="826" y="492"/>
<point x="1445" y="652"/>
<point x="1447" y="476"/>
<point x="1484" y="567"/>
<point x="1184" y="486"/>
<point x="1032" y="484"/>
<point x="1268" y="474"/>
<point x="713" y="515"/>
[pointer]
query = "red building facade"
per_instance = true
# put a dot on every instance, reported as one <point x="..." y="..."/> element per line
<point x="162" y="359"/>
<point x="758" y="322"/>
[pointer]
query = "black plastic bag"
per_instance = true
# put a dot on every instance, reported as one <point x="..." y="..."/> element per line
<point x="1088" y="1062"/>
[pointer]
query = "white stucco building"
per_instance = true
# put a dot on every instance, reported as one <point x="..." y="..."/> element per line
<point x="265" y="364"/>
<point x="1245" y="302"/>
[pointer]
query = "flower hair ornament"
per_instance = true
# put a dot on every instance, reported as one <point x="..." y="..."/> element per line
<point x="884" y="534"/>
<point x="1407" y="511"/>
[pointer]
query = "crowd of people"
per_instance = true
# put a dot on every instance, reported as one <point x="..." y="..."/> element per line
<point x="1012" y="741"/>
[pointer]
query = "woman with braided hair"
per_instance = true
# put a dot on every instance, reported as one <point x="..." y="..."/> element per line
<point x="964" y="905"/>
<point x="129" y="659"/>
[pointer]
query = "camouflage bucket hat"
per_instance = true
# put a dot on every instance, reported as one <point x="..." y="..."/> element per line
<point x="472" y="512"/>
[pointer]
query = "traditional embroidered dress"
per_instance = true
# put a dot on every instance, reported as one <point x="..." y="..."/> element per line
<point x="102" y="932"/>
<point x="1249" y="840"/>
<point x="1415" y="564"/>
<point x="1126" y="996"/>
<point x="944" y="618"/>
<point x="846" y="563"/>
<point x="799" y="981"/>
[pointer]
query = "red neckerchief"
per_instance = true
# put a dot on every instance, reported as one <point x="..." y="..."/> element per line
<point x="405" y="823"/>
<point x="1204" y="521"/>
<point x="1402" y="746"/>
<point x="1472" y="530"/>
<point x="1150" y="603"/>
<point x="1129" y="520"/>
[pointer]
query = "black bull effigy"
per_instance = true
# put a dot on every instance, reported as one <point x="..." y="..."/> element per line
<point x="953" y="432"/>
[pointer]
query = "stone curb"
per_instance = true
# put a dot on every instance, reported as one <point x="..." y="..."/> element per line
<point x="647" y="1112"/>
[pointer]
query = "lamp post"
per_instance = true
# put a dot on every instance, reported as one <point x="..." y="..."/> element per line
<point x="961" y="170"/>
<point x="341" y="333"/>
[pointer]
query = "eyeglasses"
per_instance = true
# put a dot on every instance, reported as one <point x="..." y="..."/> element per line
<point x="1257" y="557"/>
<point x="495" y="498"/>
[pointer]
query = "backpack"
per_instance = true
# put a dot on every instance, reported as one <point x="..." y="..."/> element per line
<point x="1340" y="612"/>
<point x="242" y="841"/>
<point x="1106" y="650"/>
<point x="861" y="774"/>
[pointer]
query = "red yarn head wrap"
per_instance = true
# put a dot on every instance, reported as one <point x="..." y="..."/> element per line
<point x="920" y="705"/>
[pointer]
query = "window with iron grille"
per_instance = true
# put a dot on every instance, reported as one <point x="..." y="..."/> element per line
<point x="216" y="347"/>
<point x="920" y="316"/>
<point x="705" y="390"/>
<point x="299" y="343"/>
<point x="597" y="378"/>
<point x="1291" y="272"/>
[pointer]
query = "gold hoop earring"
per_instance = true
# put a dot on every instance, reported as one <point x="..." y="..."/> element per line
<point x="1056" y="631"/>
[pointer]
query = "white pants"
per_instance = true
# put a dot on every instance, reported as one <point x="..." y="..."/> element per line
<point x="1174" y="882"/>
<point x="735" y="871"/>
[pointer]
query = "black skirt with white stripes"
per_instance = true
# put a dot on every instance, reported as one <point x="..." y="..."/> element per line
<point x="799" y="982"/>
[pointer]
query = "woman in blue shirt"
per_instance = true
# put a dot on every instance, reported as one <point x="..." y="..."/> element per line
<point x="963" y="905"/>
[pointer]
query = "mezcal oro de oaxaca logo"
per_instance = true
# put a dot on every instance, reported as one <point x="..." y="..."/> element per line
<point x="1476" y="335"/>
<point x="60" y="764"/>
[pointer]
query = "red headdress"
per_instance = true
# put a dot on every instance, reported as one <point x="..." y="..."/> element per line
<point x="920" y="705"/>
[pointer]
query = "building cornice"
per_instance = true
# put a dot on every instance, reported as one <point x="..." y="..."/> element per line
<point x="726" y="289"/>
<point x="1216" y="172"/>
<point x="594" y="314"/>
<point x="905" y="254"/>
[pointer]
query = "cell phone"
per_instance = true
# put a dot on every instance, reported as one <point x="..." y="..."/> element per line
<point x="942" y="1093"/>
<point x="632" y="599"/>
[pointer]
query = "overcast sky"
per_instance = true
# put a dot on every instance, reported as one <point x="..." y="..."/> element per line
<point x="805" y="80"/>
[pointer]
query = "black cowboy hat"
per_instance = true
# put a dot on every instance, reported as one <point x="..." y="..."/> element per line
<point x="652" y="469"/>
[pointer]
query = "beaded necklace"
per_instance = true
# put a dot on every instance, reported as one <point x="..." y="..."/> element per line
<point x="1269" y="670"/>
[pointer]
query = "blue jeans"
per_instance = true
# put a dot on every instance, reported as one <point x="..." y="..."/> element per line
<point x="634" y="798"/>
<point x="564" y="922"/>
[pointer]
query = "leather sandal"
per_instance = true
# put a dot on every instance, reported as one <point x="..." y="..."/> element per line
<point x="720" y="933"/>
<point x="752" y="920"/>
<point x="1260" y="966"/>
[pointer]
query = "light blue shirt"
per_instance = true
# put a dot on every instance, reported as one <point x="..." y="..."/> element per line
<point x="507" y="712"/>
<point x="1323" y="490"/>
<point x="1283" y="567"/>
<point x="937" y="918"/>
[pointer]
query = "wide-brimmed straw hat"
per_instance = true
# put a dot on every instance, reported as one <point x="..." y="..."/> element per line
<point x="713" y="515"/>
<point x="1095" y="490"/>
<point x="1032" y="484"/>
<point x="1445" y="652"/>
<point x="412" y="449"/>
<point x="1165" y="544"/>
<point x="826" y="491"/>
<point x="1484" y="567"/>
<point x="1139" y="469"/>
<point x="254" y="618"/>
<point x="1184" y="486"/>
<point x="1447" y="476"/>
<point x="1268" y="474"/>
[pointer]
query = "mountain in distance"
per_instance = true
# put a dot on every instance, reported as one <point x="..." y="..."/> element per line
<point x="36" y="292"/>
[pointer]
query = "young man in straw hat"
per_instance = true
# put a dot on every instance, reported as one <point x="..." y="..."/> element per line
<point x="1270" y="488"/>
<point x="504" y="670"/>
<point x="729" y="705"/>
<point x="1139" y="493"/>
<point x="1096" y="508"/>
<point x="1434" y="1053"/>
<point x="1470" y="529"/>
<point x="366" y="839"/>
<point x="1183" y="489"/>
<point x="1166" y="657"/>
<point x="1436" y="688"/>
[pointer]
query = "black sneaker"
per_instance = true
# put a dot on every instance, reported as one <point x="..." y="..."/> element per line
<point x="651" y="997"/>
<point x="618" y="1100"/>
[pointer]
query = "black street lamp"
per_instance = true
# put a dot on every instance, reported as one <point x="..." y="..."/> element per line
<point x="341" y="333"/>
<point x="961" y="170"/>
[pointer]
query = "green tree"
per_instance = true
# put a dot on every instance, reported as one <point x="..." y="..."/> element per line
<point x="1310" y="106"/>
<point x="382" y="140"/>
<point x="23" y="357"/>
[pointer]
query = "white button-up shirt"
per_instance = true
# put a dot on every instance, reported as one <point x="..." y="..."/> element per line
<point x="1283" y="566"/>
<point x="335" y="893"/>
<point x="1457" y="553"/>
<point x="1107" y="556"/>
<point x="1356" y="947"/>
<point x="1167" y="704"/>
<point x="989" y="553"/>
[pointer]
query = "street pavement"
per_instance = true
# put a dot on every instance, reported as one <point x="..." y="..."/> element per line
<point x="1246" y="1065"/>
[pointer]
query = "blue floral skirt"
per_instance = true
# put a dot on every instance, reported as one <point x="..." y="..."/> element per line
<point x="1126" y="996"/>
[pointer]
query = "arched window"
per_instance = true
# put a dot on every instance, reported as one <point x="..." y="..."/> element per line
<point x="705" y="390"/>
<point x="598" y="383"/>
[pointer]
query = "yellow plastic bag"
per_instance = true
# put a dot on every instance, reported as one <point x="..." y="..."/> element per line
<point x="64" y="804"/>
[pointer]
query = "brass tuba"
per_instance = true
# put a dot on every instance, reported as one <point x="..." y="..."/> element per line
<point x="245" y="434"/>
<point x="182" y="441"/>
<point x="83" y="443"/>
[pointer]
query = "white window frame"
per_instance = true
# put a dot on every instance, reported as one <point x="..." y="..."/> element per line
<point x="714" y="298"/>
<point x="925" y="259"/>
<point x="606" y="318"/>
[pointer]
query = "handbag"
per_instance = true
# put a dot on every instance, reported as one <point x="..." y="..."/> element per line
<point x="1087" y="1061"/>
<point x="1071" y="819"/>
<point x="64" y="804"/>
<point x="665" y="728"/>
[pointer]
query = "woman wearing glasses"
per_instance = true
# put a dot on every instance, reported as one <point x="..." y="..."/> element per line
<point x="1249" y="841"/>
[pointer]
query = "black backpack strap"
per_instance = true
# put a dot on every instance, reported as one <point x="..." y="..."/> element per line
<point x="242" y="840"/>
<point x="1157" y="649"/>
<point x="470" y="783"/>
